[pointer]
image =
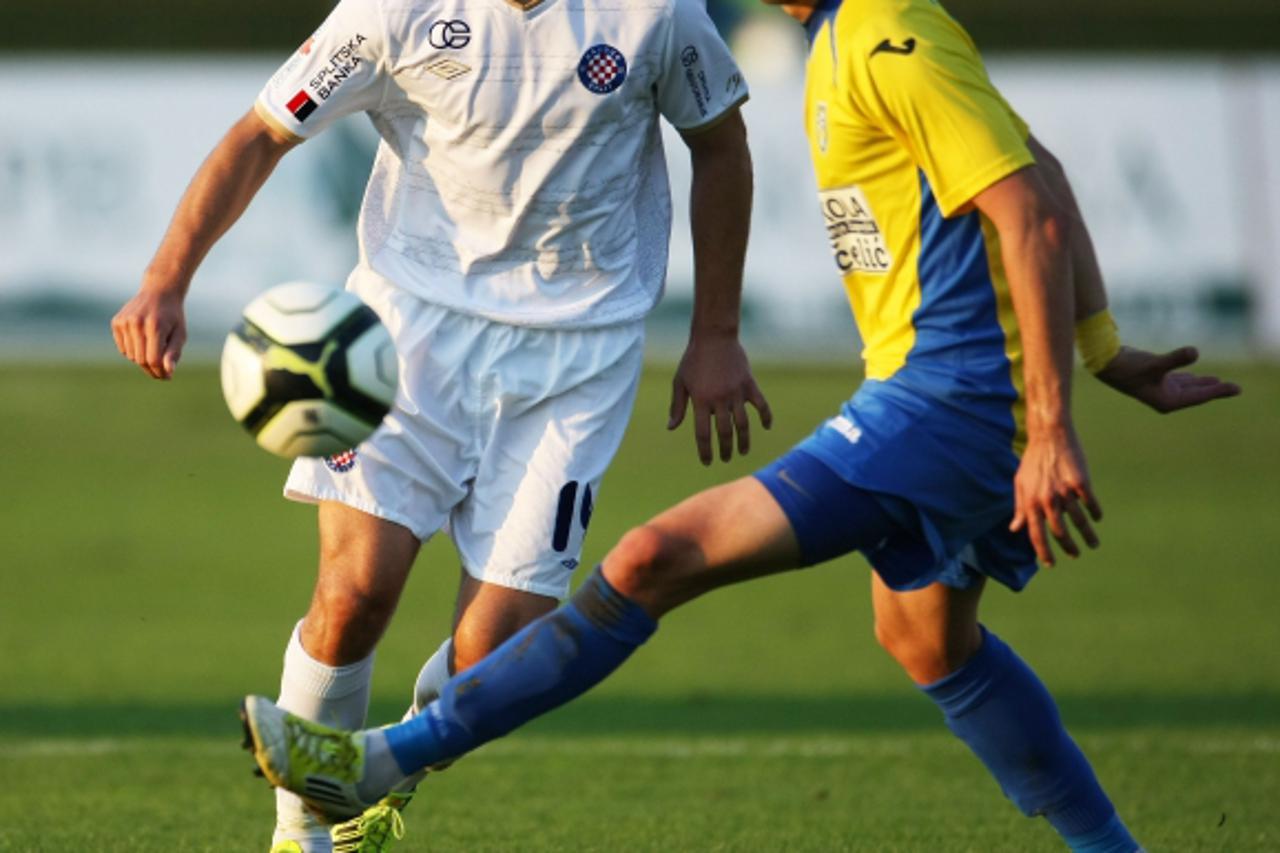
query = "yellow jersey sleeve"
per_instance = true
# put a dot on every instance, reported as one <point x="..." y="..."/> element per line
<point x="918" y="76"/>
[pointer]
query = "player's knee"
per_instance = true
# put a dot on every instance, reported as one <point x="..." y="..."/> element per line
<point x="648" y="564"/>
<point x="473" y="642"/>
<point x="925" y="658"/>
<point x="470" y="647"/>
<point x="358" y="612"/>
<point x="347" y="622"/>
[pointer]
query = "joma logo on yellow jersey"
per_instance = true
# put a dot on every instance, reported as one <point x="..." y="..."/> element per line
<point x="820" y="126"/>
<point x="856" y="239"/>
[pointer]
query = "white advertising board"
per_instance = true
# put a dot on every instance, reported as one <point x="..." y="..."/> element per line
<point x="1176" y="164"/>
<point x="94" y="155"/>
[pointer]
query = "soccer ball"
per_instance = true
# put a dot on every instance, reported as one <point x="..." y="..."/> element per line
<point x="309" y="371"/>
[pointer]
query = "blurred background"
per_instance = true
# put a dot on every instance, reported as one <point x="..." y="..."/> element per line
<point x="1166" y="114"/>
<point x="150" y="573"/>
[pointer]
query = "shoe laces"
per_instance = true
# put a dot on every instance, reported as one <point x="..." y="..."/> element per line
<point x="382" y="824"/>
<point x="371" y="832"/>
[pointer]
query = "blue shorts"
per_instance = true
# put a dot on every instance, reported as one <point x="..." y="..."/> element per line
<point x="924" y="492"/>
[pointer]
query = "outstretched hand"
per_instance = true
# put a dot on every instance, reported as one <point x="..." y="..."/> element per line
<point x="715" y="376"/>
<point x="1155" y="380"/>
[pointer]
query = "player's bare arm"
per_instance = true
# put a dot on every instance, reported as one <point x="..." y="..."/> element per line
<point x="1154" y="379"/>
<point x="714" y="374"/>
<point x="1053" y="478"/>
<point x="1089" y="292"/>
<point x="150" y="329"/>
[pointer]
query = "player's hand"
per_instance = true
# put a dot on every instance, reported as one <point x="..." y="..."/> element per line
<point x="715" y="376"/>
<point x="1052" y="486"/>
<point x="150" y="330"/>
<point x="1155" y="380"/>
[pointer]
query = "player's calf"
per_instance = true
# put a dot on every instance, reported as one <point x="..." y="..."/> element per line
<point x="930" y="632"/>
<point x="1000" y="709"/>
<point x="925" y="656"/>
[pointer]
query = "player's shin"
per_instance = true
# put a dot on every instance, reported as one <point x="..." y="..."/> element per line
<point x="550" y="661"/>
<point x="335" y="696"/>
<point x="997" y="705"/>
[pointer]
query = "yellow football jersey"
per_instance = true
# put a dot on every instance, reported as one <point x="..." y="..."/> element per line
<point x="905" y="129"/>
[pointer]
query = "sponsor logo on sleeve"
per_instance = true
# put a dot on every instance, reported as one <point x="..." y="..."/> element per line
<point x="342" y="63"/>
<point x="856" y="239"/>
<point x="602" y="69"/>
<point x="696" y="78"/>
<point x="301" y="106"/>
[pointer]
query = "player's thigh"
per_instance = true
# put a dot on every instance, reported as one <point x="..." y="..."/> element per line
<point x="560" y="403"/>
<point x="415" y="468"/>
<point x="364" y="563"/>
<point x="930" y="631"/>
<point x="362" y="551"/>
<point x="726" y="534"/>
<point x="797" y="511"/>
<point x="487" y="614"/>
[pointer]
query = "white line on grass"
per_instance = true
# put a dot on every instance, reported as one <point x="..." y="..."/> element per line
<point x="818" y="747"/>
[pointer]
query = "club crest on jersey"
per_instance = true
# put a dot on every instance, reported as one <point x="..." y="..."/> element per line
<point x="341" y="463"/>
<point x="602" y="69"/>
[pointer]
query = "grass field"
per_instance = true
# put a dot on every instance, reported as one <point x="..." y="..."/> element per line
<point x="150" y="576"/>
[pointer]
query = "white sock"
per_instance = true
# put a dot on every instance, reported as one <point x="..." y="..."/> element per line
<point x="333" y="695"/>
<point x="435" y="672"/>
<point x="382" y="772"/>
<point x="431" y="679"/>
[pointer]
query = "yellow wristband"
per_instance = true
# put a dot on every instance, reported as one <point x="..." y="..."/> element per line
<point x="1097" y="340"/>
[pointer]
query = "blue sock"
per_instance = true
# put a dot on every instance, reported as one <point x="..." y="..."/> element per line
<point x="997" y="705"/>
<point x="544" y="665"/>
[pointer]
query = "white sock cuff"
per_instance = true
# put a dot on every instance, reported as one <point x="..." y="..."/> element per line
<point x="319" y="679"/>
<point x="432" y="677"/>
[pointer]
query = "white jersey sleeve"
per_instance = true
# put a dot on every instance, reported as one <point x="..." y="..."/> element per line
<point x="340" y="70"/>
<point x="700" y="82"/>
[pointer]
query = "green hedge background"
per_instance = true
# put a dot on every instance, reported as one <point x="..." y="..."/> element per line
<point x="1224" y="26"/>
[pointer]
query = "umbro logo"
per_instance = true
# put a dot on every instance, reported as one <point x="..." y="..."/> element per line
<point x="886" y="46"/>
<point x="448" y="69"/>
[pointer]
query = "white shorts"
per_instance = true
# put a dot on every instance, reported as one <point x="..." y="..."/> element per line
<point x="500" y="434"/>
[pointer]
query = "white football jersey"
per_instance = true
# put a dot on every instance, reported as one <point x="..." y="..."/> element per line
<point x="520" y="175"/>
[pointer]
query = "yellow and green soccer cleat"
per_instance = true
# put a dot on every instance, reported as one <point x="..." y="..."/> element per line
<point x="320" y="764"/>
<point x="376" y="830"/>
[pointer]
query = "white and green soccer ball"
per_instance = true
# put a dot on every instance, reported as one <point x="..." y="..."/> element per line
<point x="309" y="371"/>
